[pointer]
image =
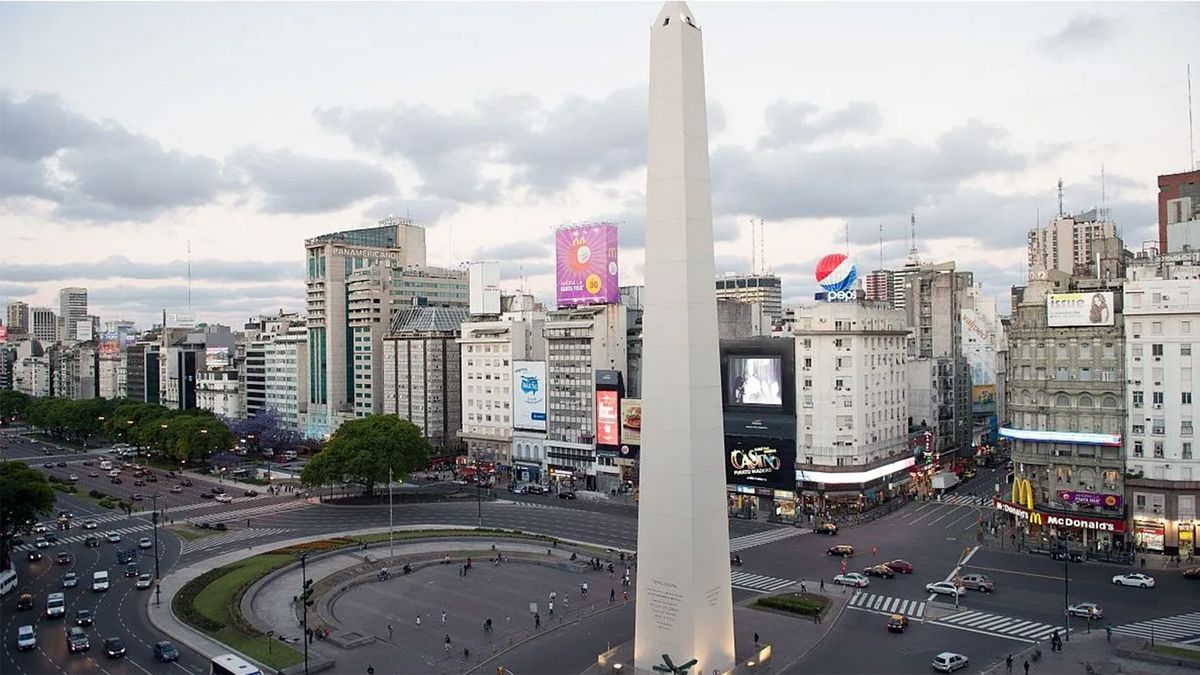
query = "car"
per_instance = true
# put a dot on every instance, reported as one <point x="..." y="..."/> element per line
<point x="151" y="478"/>
<point x="897" y="623"/>
<point x="115" y="480"/>
<point x="1192" y="573"/>
<point x="15" y="542"/>
<point x="56" y="605"/>
<point x="83" y="617"/>
<point x="137" y="497"/>
<point x="185" y="483"/>
<point x="948" y="662"/>
<point x="206" y="495"/>
<point x="968" y="474"/>
<point x="114" y="648"/>
<point x="218" y="490"/>
<point x="112" y="538"/>
<point x="826" y="528"/>
<point x="1074" y="555"/>
<point x="879" y="571"/>
<point x="131" y="570"/>
<point x="165" y="651"/>
<point x="978" y="582"/>
<point x="48" y="465"/>
<point x="70" y="580"/>
<point x="517" y="489"/>
<point x="125" y="556"/>
<point x="900" y="566"/>
<point x="944" y="588"/>
<point x="77" y="640"/>
<point x="1086" y="609"/>
<point x="175" y="489"/>
<point x="844" y="550"/>
<point x="42" y="542"/>
<point x="40" y="528"/>
<point x="73" y="478"/>
<point x="567" y="494"/>
<point x="51" y="537"/>
<point x="537" y="489"/>
<point x="66" y="514"/>
<point x="139" y="483"/>
<point x="34" y="556"/>
<point x="250" y="493"/>
<point x="143" y="581"/>
<point x="63" y="558"/>
<point x="25" y="601"/>
<point x="1134" y="579"/>
<point x="90" y="525"/>
<point x="61" y="463"/>
<point x="145" y="543"/>
<point x="93" y="474"/>
<point x="224" y="499"/>
<point x="26" y="638"/>
<point x="91" y="541"/>
<point x="852" y="579"/>
<point x="88" y="462"/>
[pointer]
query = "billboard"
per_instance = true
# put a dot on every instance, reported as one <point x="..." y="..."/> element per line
<point x="1080" y="309"/>
<point x="765" y="462"/>
<point x="529" y="395"/>
<point x="983" y="394"/>
<point x="608" y="408"/>
<point x="586" y="259"/>
<point x="754" y="381"/>
<point x="631" y="421"/>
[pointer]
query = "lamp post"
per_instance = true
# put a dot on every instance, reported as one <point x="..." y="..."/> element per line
<point x="391" y="553"/>
<point x="305" y="594"/>
<point x="1066" y="591"/>
<point x="163" y="449"/>
<point x="154" y="520"/>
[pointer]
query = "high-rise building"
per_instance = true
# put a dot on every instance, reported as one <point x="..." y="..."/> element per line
<point x="1068" y="243"/>
<point x="285" y="360"/>
<point x="8" y="359"/>
<point x="369" y="319"/>
<point x="218" y="387"/>
<point x="416" y="284"/>
<point x="1178" y="203"/>
<point x="32" y="368"/>
<point x="113" y="375"/>
<point x="18" y="317"/>
<point x="331" y="259"/>
<point x="1162" y="348"/>
<point x="257" y="335"/>
<point x="878" y="285"/>
<point x="72" y="308"/>
<point x="45" y="325"/>
<point x="421" y="373"/>
<point x="74" y="371"/>
<point x="982" y="338"/>
<point x="766" y="289"/>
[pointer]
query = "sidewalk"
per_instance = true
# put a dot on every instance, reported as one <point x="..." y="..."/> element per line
<point x="1085" y="654"/>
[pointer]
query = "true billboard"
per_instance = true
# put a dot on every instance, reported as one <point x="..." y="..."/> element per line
<point x="608" y="408"/>
<point x="586" y="259"/>
<point x="529" y="395"/>
<point x="631" y="421"/>
<point x="1080" y="309"/>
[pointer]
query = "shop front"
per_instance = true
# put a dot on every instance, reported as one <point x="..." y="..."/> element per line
<point x="1045" y="528"/>
<point x="527" y="472"/>
<point x="1187" y="538"/>
<point x="1150" y="535"/>
<point x="828" y="493"/>
<point x="760" y="466"/>
<point x="564" y="478"/>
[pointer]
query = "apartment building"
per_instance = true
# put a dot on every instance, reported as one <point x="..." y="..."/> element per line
<point x="422" y="373"/>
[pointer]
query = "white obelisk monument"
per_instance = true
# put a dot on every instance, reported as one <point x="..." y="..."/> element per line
<point x="684" y="603"/>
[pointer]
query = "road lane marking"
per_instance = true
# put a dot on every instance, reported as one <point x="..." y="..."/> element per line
<point x="968" y="515"/>
<point x="1024" y="574"/>
<point x="948" y="512"/>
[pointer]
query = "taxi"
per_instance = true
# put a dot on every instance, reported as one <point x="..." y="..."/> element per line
<point x="897" y="623"/>
<point x="844" y="550"/>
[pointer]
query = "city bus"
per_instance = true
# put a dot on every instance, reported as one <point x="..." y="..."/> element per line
<point x="228" y="664"/>
<point x="8" y="581"/>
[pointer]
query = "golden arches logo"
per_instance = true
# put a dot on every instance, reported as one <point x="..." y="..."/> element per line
<point x="1022" y="493"/>
<point x="1035" y="518"/>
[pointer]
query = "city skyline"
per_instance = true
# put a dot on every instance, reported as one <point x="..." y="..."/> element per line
<point x="234" y="165"/>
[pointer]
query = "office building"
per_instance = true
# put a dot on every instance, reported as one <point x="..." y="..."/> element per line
<point x="1178" y="205"/>
<point x="45" y="325"/>
<point x="877" y="285"/>
<point x="75" y="371"/>
<point x="32" y="369"/>
<point x="72" y="308"/>
<point x="415" y="284"/>
<point x="369" y="319"/>
<point x="218" y="387"/>
<point x="422" y="373"/>
<point x="1067" y="243"/>
<point x="285" y="382"/>
<point x="982" y="338"/>
<point x="258" y="333"/>
<point x="8" y="358"/>
<point x="1162" y="352"/>
<point x="331" y="259"/>
<point x="113" y="375"/>
<point x="765" y="289"/>
<point x="18" y="317"/>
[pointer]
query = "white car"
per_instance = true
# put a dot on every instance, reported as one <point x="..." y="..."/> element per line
<point x="1134" y="579"/>
<point x="90" y="525"/>
<point x="113" y="538"/>
<point x="145" y="543"/>
<point x="40" y="528"/>
<point x="852" y="579"/>
<point x="224" y="499"/>
<point x="945" y="588"/>
<point x="70" y="580"/>
<point x="143" y="581"/>
<point x="948" y="662"/>
<point x="1086" y="609"/>
<point x="26" y="638"/>
<point x="41" y="542"/>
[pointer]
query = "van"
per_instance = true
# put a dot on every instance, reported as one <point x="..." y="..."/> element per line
<point x="56" y="605"/>
<point x="100" y="581"/>
<point x="105" y="465"/>
<point x="8" y="582"/>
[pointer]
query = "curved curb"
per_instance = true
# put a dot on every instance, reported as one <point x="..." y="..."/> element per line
<point x="804" y="653"/>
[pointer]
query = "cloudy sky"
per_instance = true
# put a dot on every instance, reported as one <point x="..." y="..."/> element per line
<point x="128" y="130"/>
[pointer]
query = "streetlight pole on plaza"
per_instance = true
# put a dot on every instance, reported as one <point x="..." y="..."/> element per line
<point x="1066" y="591"/>
<point x="154" y="520"/>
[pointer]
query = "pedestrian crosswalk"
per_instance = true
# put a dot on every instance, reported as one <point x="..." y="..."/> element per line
<point x="141" y="531"/>
<point x="233" y="537"/>
<point x="882" y="604"/>
<point x="966" y="500"/>
<point x="1003" y="625"/>
<point x="1175" y="627"/>
<point x="757" y="582"/>
<point x="766" y="537"/>
<point x="239" y="514"/>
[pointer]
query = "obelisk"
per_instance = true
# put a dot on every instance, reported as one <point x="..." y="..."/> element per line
<point x="684" y="603"/>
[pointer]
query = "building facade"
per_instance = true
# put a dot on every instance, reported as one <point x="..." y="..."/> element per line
<point x="72" y="308"/>
<point x="1172" y="190"/>
<point x="422" y="376"/>
<point x="369" y="318"/>
<point x="18" y="317"/>
<point x="417" y="284"/>
<point x="1068" y="243"/>
<point x="765" y="289"/>
<point x="44" y="323"/>
<point x="113" y="375"/>
<point x="285" y="376"/>
<point x="219" y="390"/>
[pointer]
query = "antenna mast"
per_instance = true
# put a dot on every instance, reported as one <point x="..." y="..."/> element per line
<point x="762" y="235"/>
<point x="881" y="246"/>
<point x="912" y="236"/>
<point x="1060" y="198"/>
<point x="847" y="238"/>
<point x="753" y="247"/>
<point x="1103" y="196"/>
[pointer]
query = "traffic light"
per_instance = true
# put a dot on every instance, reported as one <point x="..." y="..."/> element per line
<point x="306" y="596"/>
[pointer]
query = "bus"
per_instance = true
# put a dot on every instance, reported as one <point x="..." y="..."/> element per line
<point x="8" y="582"/>
<point x="228" y="664"/>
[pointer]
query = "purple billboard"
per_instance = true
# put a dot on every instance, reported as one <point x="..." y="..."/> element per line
<point x="1107" y="501"/>
<point x="587" y="265"/>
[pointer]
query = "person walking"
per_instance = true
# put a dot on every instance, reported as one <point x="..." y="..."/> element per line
<point x="551" y="608"/>
<point x="612" y="595"/>
<point x="1008" y="663"/>
<point x="626" y="594"/>
<point x="418" y="621"/>
<point x="370" y="669"/>
<point x="822" y="583"/>
<point x="443" y="617"/>
<point x="1108" y="631"/>
<point x="756" y="639"/>
<point x="1026" y="666"/>
<point x="390" y="632"/>
<point x="487" y="625"/>
<point x="447" y="643"/>
<point x="537" y="620"/>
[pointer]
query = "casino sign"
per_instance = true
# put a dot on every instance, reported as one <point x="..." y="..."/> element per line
<point x="1069" y="521"/>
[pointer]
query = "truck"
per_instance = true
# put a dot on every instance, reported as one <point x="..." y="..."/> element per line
<point x="944" y="481"/>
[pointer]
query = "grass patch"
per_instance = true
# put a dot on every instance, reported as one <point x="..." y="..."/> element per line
<point x="804" y="604"/>
<point x="188" y="533"/>
<point x="1181" y="652"/>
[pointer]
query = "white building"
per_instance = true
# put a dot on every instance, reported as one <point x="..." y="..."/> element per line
<point x="367" y="313"/>
<point x="417" y="284"/>
<point x="219" y="390"/>
<point x="112" y="375"/>
<point x="285" y="375"/>
<point x="1162" y="352"/>
<point x="254" y="340"/>
<point x="1067" y="243"/>
<point x="488" y="350"/>
<point x="31" y="368"/>
<point x="45" y="325"/>
<point x="421" y="373"/>
<point x="72" y="308"/>
<point x="764" y="289"/>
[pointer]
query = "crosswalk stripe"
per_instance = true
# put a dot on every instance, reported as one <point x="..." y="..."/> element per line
<point x="760" y="538"/>
<point x="883" y="604"/>
<point x="985" y="622"/>
<point x="757" y="582"/>
<point x="955" y="618"/>
<point x="1171" y="627"/>
<point x="227" y="538"/>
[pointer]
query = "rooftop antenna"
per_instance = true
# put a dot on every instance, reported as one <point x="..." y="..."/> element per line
<point x="881" y="246"/>
<point x="847" y="224"/>
<point x="1191" y="138"/>
<point x="1103" y="196"/>
<point x="912" y="236"/>
<point x="753" y="247"/>
<point x="1060" y="198"/>
<point x="762" y="235"/>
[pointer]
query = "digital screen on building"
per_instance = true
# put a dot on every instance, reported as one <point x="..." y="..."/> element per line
<point x="1080" y="309"/>
<point x="765" y="462"/>
<point x="586" y="265"/>
<point x="754" y="381"/>
<point x="529" y="395"/>
<point x="608" y="418"/>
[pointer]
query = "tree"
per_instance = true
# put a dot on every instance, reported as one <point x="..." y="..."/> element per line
<point x="25" y="495"/>
<point x="361" y="451"/>
<point x="13" y="405"/>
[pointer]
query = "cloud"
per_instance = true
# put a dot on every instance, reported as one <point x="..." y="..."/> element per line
<point x="423" y="210"/>
<point x="516" y="250"/>
<point x="513" y="271"/>
<point x="294" y="183"/>
<point x="215" y="297"/>
<point x="120" y="267"/>
<point x="16" y="290"/>
<point x="800" y="123"/>
<point x="1082" y="32"/>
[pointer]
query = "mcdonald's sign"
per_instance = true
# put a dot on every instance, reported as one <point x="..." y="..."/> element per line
<point x="1022" y="493"/>
<point x="1035" y="518"/>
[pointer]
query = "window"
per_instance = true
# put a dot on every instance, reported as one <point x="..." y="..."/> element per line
<point x="1156" y="328"/>
<point x="1063" y="402"/>
<point x="1185" y="349"/>
<point x="1158" y="398"/>
<point x="1137" y="449"/>
<point x="1138" y="398"/>
<point x="1138" y="429"/>
<point x="1186" y="398"/>
<point x="1137" y="351"/>
<point x="1158" y="426"/>
<point x="1187" y="451"/>
<point x="1156" y="350"/>
<point x="1185" y="327"/>
<point x="1062" y="352"/>
<point x="1137" y="328"/>
<point x="1139" y="501"/>
<point x="1158" y="449"/>
<point x="1085" y="401"/>
<point x="1060" y="373"/>
<point x="1185" y="428"/>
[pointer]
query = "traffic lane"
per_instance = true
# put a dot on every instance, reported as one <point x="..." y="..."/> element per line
<point x="842" y="650"/>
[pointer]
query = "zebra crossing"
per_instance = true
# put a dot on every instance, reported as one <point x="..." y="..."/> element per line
<point x="883" y="604"/>
<point x="1175" y="627"/>
<point x="271" y="509"/>
<point x="144" y="530"/>
<point x="757" y="582"/>
<point x="965" y="500"/>
<point x="759" y="538"/>
<point x="228" y="538"/>
<point x="1003" y="625"/>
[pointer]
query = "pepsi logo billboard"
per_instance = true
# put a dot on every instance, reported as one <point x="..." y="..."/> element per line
<point x="836" y="274"/>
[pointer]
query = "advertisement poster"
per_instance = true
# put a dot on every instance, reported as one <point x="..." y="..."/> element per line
<point x="1107" y="501"/>
<point x="607" y="418"/>
<point x="764" y="462"/>
<point x="631" y="421"/>
<point x="1080" y="309"/>
<point x="754" y="380"/>
<point x="586" y="257"/>
<point x="529" y="395"/>
<point x="983" y="394"/>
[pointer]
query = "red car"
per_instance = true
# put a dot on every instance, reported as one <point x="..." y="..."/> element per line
<point x="901" y="566"/>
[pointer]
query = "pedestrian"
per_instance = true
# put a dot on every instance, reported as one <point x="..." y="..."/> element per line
<point x="467" y="653"/>
<point x="487" y="625"/>
<point x="390" y="632"/>
<point x="537" y="620"/>
<point x="802" y="589"/>
<point x="418" y="621"/>
<point x="443" y="617"/>
<point x="755" y="639"/>
<point x="1008" y="663"/>
<point x="1108" y="631"/>
<point x="447" y="643"/>
<point x="1026" y="666"/>
<point x="626" y="594"/>
<point x="566" y="602"/>
<point x="612" y="595"/>
<point x="822" y="583"/>
<point x="551" y="608"/>
<point x="817" y="617"/>
<point x="553" y="595"/>
<point x="370" y="669"/>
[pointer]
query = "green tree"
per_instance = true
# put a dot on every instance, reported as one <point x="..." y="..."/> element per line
<point x="25" y="495"/>
<point x="13" y="405"/>
<point x="361" y="451"/>
<point x="196" y="437"/>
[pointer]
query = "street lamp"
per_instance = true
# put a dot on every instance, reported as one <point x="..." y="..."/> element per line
<point x="1066" y="590"/>
<point x="154" y="521"/>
